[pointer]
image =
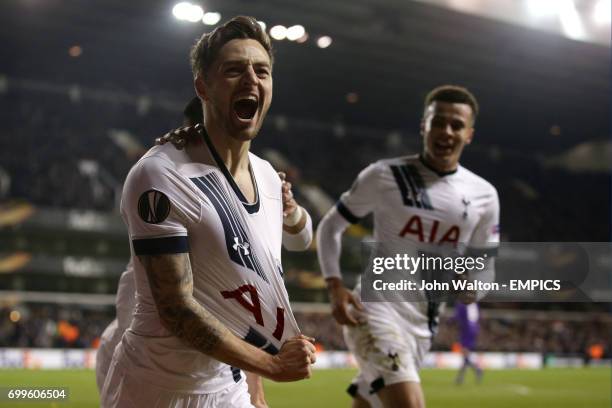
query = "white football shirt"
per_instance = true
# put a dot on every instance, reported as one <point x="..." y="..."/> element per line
<point x="412" y="202"/>
<point x="172" y="204"/>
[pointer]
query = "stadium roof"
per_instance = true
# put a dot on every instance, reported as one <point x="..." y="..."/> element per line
<point x="387" y="52"/>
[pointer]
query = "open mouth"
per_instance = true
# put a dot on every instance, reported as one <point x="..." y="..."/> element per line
<point x="246" y="108"/>
<point x="443" y="147"/>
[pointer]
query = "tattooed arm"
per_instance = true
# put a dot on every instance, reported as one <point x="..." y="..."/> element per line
<point x="171" y="282"/>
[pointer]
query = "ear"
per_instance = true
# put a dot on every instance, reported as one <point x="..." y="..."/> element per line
<point x="470" y="136"/>
<point x="200" y="87"/>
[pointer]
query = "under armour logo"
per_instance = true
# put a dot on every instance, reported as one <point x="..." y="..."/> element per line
<point x="242" y="245"/>
<point x="465" y="202"/>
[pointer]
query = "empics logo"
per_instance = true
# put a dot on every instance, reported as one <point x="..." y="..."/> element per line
<point x="153" y="207"/>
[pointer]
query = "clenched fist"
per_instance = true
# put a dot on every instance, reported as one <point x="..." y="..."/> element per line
<point x="294" y="359"/>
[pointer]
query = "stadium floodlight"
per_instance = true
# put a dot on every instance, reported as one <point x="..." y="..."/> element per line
<point x="278" y="32"/>
<point x="295" y="32"/>
<point x="302" y="39"/>
<point x="195" y="14"/>
<point x="543" y="8"/>
<point x="75" y="51"/>
<point x="602" y="12"/>
<point x="570" y="20"/>
<point x="181" y="10"/>
<point x="324" y="41"/>
<point x="262" y="25"/>
<point x="188" y="12"/>
<point x="211" y="18"/>
<point x="352" y="97"/>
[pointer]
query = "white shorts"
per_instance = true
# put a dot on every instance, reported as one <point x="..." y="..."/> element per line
<point x="386" y="354"/>
<point x="104" y="355"/>
<point x="124" y="390"/>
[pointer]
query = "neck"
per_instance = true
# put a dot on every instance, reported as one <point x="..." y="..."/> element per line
<point x="439" y="165"/>
<point x="233" y="152"/>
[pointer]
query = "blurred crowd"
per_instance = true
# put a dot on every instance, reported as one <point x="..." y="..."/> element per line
<point x="552" y="336"/>
<point x="52" y="140"/>
<point x="68" y="158"/>
<point x="51" y="326"/>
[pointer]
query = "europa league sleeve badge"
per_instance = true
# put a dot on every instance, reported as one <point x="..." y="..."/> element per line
<point x="153" y="206"/>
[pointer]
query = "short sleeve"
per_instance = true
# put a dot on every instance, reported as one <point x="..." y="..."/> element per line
<point x="486" y="234"/>
<point x="158" y="206"/>
<point x="360" y="200"/>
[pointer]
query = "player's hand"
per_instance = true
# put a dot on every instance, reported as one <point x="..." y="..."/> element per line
<point x="341" y="298"/>
<point x="290" y="206"/>
<point x="294" y="359"/>
<point x="182" y="136"/>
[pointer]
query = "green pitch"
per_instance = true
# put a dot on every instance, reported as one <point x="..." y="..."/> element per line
<point x="554" y="388"/>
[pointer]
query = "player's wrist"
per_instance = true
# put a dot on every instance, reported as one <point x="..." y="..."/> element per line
<point x="334" y="283"/>
<point x="294" y="218"/>
<point x="300" y="225"/>
<point x="270" y="367"/>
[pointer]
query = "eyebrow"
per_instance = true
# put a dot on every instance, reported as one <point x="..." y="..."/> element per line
<point x="245" y="62"/>
<point x="450" y="119"/>
<point x="450" y="116"/>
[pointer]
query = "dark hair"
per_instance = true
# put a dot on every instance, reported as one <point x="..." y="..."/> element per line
<point x="193" y="112"/>
<point x="206" y="49"/>
<point x="453" y="94"/>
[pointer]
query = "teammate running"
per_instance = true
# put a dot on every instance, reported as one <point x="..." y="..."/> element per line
<point x="428" y="198"/>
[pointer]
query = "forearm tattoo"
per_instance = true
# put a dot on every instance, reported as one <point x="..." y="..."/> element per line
<point x="171" y="282"/>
